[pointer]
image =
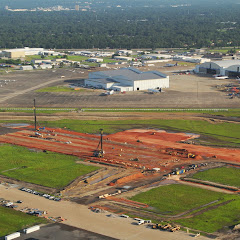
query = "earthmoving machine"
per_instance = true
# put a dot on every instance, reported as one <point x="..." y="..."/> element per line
<point x="156" y="226"/>
<point x="174" y="228"/>
<point x="167" y="226"/>
<point x="180" y="152"/>
<point x="99" y="151"/>
<point x="190" y="155"/>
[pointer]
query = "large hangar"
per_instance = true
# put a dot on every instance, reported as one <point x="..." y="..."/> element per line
<point x="128" y="79"/>
<point x="229" y="68"/>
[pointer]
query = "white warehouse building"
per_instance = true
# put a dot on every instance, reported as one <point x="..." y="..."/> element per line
<point x="229" y="68"/>
<point x="127" y="79"/>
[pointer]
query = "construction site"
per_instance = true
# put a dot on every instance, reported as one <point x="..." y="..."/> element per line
<point x="130" y="155"/>
<point x="131" y="162"/>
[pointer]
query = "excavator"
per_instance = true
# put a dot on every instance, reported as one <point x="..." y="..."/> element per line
<point x="190" y="155"/>
<point x="99" y="151"/>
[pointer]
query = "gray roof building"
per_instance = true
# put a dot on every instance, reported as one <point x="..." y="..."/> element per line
<point x="128" y="77"/>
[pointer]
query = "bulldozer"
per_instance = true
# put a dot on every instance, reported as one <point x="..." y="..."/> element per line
<point x="156" y="226"/>
<point x="174" y="228"/>
<point x="99" y="151"/>
<point x="167" y="226"/>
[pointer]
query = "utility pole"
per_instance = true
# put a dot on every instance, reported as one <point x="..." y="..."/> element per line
<point x="35" y="115"/>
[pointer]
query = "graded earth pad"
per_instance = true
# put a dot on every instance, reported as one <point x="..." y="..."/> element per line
<point x="140" y="149"/>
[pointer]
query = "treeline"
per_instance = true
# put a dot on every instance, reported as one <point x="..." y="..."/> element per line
<point x="115" y="28"/>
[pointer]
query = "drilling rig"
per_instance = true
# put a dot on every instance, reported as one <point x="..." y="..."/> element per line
<point x="99" y="151"/>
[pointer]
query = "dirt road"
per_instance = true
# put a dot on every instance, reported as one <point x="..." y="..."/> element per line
<point x="80" y="216"/>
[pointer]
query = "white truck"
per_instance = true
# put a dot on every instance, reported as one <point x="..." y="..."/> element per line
<point x="140" y="222"/>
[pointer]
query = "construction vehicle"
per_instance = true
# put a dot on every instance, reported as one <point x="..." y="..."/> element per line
<point x="157" y="226"/>
<point x="190" y="155"/>
<point x="174" y="228"/>
<point x="167" y="226"/>
<point x="99" y="151"/>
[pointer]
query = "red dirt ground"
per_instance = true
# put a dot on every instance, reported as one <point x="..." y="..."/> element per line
<point x="122" y="148"/>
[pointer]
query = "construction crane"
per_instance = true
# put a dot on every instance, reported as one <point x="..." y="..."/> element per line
<point x="99" y="151"/>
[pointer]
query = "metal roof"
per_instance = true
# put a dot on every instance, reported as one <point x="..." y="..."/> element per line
<point x="227" y="63"/>
<point x="132" y="74"/>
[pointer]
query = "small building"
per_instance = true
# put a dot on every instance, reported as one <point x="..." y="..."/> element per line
<point x="123" y="58"/>
<point x="230" y="68"/>
<point x="96" y="60"/>
<point x="155" y="56"/>
<point x="124" y="52"/>
<point x="45" y="66"/>
<point x="128" y="79"/>
<point x="102" y="65"/>
<point x="25" y="68"/>
<point x="36" y="61"/>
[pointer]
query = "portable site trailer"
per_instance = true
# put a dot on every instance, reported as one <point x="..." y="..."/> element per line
<point x="12" y="236"/>
<point x="31" y="229"/>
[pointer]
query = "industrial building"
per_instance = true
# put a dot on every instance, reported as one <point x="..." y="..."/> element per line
<point x="21" y="52"/>
<point x="127" y="79"/>
<point x="17" y="53"/>
<point x="155" y="56"/>
<point x="96" y="60"/>
<point x="228" y="68"/>
<point x="190" y="59"/>
<point x="124" y="52"/>
<point x="27" y="67"/>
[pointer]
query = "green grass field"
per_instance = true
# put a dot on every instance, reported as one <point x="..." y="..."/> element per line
<point x="33" y="57"/>
<point x="61" y="89"/>
<point x="77" y="58"/>
<point x="214" y="220"/>
<point x="227" y="176"/>
<point x="12" y="221"/>
<point x="174" y="199"/>
<point x="217" y="112"/>
<point x="222" y="50"/>
<point x="223" y="134"/>
<point x="46" y="169"/>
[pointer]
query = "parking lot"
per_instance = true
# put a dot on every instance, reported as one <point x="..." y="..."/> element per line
<point x="186" y="91"/>
<point x="63" y="232"/>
